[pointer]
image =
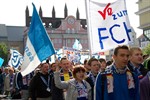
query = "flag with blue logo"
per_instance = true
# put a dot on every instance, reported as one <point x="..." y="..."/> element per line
<point x="38" y="46"/>
<point x="15" y="59"/>
<point x="1" y="61"/>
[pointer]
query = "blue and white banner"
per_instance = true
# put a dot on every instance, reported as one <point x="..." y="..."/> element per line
<point x="108" y="25"/>
<point x="1" y="61"/>
<point x="16" y="59"/>
<point x="38" y="46"/>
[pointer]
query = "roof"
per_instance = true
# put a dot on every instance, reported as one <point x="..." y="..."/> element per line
<point x="3" y="30"/>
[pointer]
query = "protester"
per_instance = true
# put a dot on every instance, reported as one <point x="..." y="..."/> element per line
<point x="21" y="84"/>
<point x="117" y="82"/>
<point x="145" y="87"/>
<point x="91" y="77"/>
<point x="1" y="81"/>
<point x="5" y="72"/>
<point x="76" y="88"/>
<point x="40" y="85"/>
<point x="17" y="86"/>
<point x="52" y="67"/>
<point x="8" y="82"/>
<point x="26" y="81"/>
<point x="135" y="62"/>
<point x="86" y="66"/>
<point x="102" y="64"/>
<point x="57" y="94"/>
<point x="109" y="62"/>
<point x="65" y="75"/>
<point x="65" y="71"/>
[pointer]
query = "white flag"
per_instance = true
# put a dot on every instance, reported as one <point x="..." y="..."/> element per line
<point x="108" y="25"/>
<point x="15" y="59"/>
<point x="77" y="45"/>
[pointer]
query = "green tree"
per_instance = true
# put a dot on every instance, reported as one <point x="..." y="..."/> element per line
<point x="4" y="52"/>
<point x="146" y="50"/>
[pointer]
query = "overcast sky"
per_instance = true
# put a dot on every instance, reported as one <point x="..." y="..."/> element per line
<point x="12" y="12"/>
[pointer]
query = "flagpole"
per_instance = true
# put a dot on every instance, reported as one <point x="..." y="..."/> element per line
<point x="88" y="26"/>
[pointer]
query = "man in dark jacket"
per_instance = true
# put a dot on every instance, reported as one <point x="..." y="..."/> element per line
<point x="40" y="85"/>
<point x="91" y="77"/>
<point x="57" y="94"/>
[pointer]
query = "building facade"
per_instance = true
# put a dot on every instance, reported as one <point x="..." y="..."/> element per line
<point x="12" y="36"/>
<point x="144" y="15"/>
<point x="62" y="31"/>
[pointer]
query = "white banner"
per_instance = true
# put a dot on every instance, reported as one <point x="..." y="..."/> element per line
<point x="108" y="25"/>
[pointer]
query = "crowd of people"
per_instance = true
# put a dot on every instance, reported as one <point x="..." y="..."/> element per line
<point x="125" y="77"/>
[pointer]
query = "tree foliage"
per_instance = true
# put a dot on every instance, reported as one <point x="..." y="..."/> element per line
<point x="4" y="52"/>
<point x="146" y="50"/>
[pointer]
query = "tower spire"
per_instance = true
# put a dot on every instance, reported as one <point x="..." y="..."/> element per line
<point x="27" y="17"/>
<point x="40" y="12"/>
<point x="65" y="11"/>
<point x="77" y="14"/>
<point x="53" y="12"/>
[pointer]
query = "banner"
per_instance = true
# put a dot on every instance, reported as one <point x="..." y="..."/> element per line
<point x="108" y="25"/>
<point x="38" y="47"/>
<point x="72" y="54"/>
<point x="1" y="61"/>
<point x="16" y="59"/>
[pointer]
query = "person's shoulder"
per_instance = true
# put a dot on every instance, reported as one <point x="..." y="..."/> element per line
<point x="108" y="70"/>
<point x="144" y="80"/>
<point x="71" y="81"/>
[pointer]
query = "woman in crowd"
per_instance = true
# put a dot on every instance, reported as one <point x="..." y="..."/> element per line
<point x="77" y="88"/>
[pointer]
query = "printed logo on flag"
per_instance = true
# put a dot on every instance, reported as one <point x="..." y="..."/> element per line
<point x="15" y="59"/>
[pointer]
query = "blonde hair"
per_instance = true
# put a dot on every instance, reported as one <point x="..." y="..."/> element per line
<point x="134" y="49"/>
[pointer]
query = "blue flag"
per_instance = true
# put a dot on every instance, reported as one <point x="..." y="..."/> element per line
<point x="1" y="61"/>
<point x="38" y="46"/>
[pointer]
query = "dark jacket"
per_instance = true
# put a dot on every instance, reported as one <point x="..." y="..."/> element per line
<point x="90" y="81"/>
<point x="145" y="88"/>
<point x="18" y="83"/>
<point x="142" y="70"/>
<point x="37" y="88"/>
<point x="57" y="94"/>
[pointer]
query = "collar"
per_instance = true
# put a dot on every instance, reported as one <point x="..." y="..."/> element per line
<point x="134" y="68"/>
<point x="118" y="70"/>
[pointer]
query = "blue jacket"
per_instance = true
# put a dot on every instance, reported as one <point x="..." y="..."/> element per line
<point x="120" y="89"/>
